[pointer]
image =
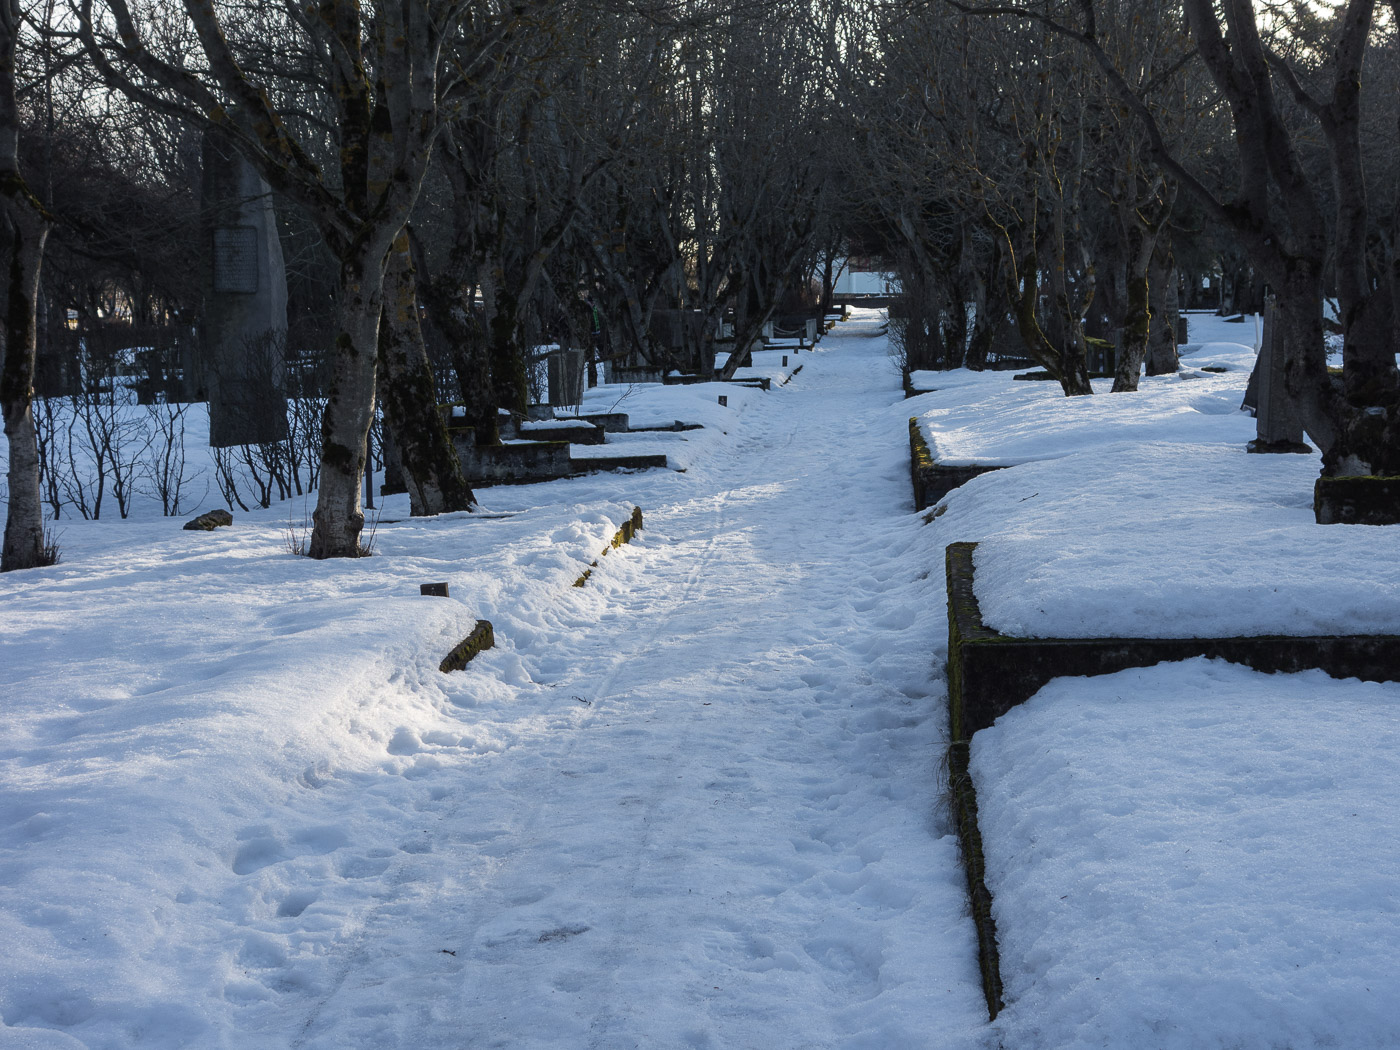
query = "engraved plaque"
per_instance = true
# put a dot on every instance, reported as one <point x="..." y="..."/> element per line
<point x="236" y="259"/>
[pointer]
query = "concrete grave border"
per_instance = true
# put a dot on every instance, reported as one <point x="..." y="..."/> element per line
<point x="626" y="534"/>
<point x="989" y="673"/>
<point x="933" y="480"/>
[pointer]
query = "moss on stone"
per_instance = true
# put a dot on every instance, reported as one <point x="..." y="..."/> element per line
<point x="483" y="637"/>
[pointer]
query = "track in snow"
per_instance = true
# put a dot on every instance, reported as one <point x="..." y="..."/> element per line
<point x="726" y="832"/>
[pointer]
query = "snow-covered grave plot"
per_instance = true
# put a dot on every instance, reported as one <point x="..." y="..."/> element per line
<point x="1142" y="515"/>
<point x="1191" y="855"/>
<point x="694" y="803"/>
<point x="1196" y="856"/>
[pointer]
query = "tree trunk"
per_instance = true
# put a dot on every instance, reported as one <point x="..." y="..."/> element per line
<point x="25" y="232"/>
<point x="990" y="307"/>
<point x="339" y="515"/>
<point x="408" y="393"/>
<point x="1162" y="354"/>
<point x="1065" y="364"/>
<point x="1137" y="307"/>
<point x="24" y="226"/>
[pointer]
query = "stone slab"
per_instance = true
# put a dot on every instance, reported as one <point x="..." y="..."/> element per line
<point x="581" y="434"/>
<point x="990" y="673"/>
<point x="584" y="464"/>
<point x="608" y="422"/>
<point x="524" y="462"/>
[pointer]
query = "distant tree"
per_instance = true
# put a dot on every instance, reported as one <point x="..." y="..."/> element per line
<point x="1278" y="209"/>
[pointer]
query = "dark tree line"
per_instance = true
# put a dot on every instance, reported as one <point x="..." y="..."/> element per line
<point x="459" y="182"/>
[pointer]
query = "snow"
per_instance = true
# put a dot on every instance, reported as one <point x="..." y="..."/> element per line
<point x="1196" y="855"/>
<point x="691" y="804"/>
<point x="1097" y="528"/>
<point x="698" y="802"/>
<point x="556" y="424"/>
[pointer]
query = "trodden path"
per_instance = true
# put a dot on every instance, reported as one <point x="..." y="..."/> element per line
<point x="726" y="833"/>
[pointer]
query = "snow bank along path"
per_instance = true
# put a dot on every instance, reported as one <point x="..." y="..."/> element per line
<point x="692" y="804"/>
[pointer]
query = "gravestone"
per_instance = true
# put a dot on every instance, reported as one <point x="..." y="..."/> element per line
<point x="1278" y="427"/>
<point x="566" y="374"/>
<point x="245" y="322"/>
<point x="811" y="331"/>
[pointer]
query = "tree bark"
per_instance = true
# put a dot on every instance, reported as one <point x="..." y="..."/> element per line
<point x="1162" y="354"/>
<point x="339" y="515"/>
<point x="23" y="249"/>
<point x="24" y="226"/>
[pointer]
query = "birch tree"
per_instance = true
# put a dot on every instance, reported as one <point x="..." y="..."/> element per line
<point x="24" y="226"/>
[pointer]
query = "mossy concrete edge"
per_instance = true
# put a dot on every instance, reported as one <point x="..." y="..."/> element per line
<point x="933" y="480"/>
<point x="625" y="534"/>
<point x="483" y="637"/>
<point x="962" y="792"/>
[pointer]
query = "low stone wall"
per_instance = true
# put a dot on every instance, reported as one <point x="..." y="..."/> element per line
<point x="625" y="534"/>
<point x="932" y="481"/>
<point x="483" y="637"/>
<point x="989" y="673"/>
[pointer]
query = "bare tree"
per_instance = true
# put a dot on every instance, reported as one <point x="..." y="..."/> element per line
<point x="385" y="73"/>
<point x="1277" y="207"/>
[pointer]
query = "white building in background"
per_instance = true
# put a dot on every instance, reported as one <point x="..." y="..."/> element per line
<point x="861" y="275"/>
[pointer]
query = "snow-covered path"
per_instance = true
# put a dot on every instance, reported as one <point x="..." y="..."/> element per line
<point x="692" y="804"/>
<point x="728" y="835"/>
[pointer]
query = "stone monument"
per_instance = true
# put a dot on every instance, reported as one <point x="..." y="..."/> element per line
<point x="245" y="314"/>
<point x="1278" y="427"/>
<point x="566" y="372"/>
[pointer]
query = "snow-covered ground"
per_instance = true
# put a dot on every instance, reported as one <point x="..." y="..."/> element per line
<point x="1193" y="855"/>
<point x="1196" y="855"/>
<point x="1142" y="515"/>
<point x="696" y="803"/>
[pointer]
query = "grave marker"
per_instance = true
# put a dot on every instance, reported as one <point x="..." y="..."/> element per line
<point x="1276" y="418"/>
<point x="245" y="323"/>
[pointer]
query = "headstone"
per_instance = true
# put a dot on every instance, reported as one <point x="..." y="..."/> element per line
<point x="434" y="590"/>
<point x="566" y="374"/>
<point x="723" y="401"/>
<point x="767" y="330"/>
<point x="812" y="330"/>
<point x="1278" y="427"/>
<point x="245" y="322"/>
<point x="666" y="329"/>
